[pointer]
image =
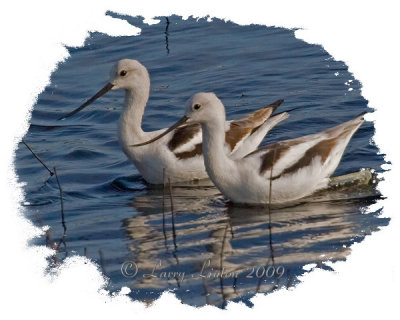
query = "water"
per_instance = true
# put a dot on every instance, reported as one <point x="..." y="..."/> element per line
<point x="214" y="252"/>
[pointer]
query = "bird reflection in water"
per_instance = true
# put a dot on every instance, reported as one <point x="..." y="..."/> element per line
<point x="209" y="252"/>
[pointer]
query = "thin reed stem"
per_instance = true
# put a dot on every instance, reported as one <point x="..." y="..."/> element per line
<point x="172" y="213"/>
<point x="62" y="201"/>
<point x="163" y="212"/>
<point x="38" y="158"/>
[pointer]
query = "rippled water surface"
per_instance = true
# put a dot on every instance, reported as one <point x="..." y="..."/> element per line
<point x="205" y="250"/>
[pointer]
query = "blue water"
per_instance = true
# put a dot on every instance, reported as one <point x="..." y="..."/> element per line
<point x="112" y="216"/>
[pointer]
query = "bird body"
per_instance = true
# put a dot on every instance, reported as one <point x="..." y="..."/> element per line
<point x="280" y="172"/>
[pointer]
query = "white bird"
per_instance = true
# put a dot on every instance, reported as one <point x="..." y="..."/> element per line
<point x="280" y="172"/>
<point x="179" y="155"/>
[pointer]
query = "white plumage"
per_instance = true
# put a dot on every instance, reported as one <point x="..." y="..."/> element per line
<point x="178" y="154"/>
<point x="280" y="172"/>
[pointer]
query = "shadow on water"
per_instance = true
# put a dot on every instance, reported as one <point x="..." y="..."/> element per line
<point x="209" y="252"/>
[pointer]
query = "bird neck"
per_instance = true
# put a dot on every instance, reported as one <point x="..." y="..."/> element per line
<point x="131" y="118"/>
<point x="217" y="162"/>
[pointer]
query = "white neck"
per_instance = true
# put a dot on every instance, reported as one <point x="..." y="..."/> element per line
<point x="130" y="129"/>
<point x="218" y="164"/>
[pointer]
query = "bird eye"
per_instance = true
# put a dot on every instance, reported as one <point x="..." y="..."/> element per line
<point x="196" y="106"/>
<point x="123" y="73"/>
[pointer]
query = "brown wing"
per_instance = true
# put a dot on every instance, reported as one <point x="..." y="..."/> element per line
<point x="182" y="136"/>
<point x="323" y="148"/>
<point x="239" y="129"/>
<point x="328" y="140"/>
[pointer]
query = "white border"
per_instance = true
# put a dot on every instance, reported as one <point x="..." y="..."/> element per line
<point x="361" y="33"/>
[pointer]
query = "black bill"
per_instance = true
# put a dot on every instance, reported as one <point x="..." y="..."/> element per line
<point x="173" y="127"/>
<point x="105" y="89"/>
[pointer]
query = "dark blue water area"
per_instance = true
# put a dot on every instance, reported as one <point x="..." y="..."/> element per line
<point x="205" y="250"/>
